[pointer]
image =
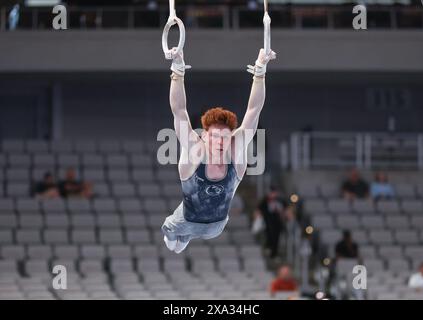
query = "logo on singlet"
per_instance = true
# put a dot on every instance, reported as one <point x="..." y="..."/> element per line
<point x="214" y="190"/>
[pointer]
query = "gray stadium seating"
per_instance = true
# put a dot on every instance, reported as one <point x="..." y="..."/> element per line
<point x="111" y="245"/>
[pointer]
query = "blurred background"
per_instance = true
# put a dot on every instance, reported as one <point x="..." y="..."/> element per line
<point x="80" y="184"/>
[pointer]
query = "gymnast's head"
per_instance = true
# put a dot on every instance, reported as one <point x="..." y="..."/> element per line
<point x="218" y="124"/>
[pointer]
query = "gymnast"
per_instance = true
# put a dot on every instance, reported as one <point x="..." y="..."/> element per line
<point x="212" y="164"/>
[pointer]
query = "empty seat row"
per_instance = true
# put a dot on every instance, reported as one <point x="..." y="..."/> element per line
<point x="368" y="222"/>
<point x="128" y="220"/>
<point x="93" y="175"/>
<point x="34" y="267"/>
<point x="86" y="160"/>
<point x="86" y="236"/>
<point x="105" y="236"/>
<point x="375" y="237"/>
<point x="40" y="146"/>
<point x="79" y="205"/>
<point x="118" y="190"/>
<point x="332" y="190"/>
<point x="375" y="265"/>
<point x="141" y="251"/>
<point x="413" y="252"/>
<point x="362" y="206"/>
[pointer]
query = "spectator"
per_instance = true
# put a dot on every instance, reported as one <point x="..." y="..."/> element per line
<point x="14" y="17"/>
<point x="284" y="281"/>
<point x="346" y="248"/>
<point x="293" y="230"/>
<point x="355" y="187"/>
<point x="271" y="209"/>
<point x="71" y="187"/>
<point x="381" y="188"/>
<point x="47" y="188"/>
<point x="416" y="279"/>
<point x="291" y="218"/>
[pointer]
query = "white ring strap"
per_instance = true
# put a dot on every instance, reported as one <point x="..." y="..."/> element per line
<point x="172" y="20"/>
<point x="266" y="23"/>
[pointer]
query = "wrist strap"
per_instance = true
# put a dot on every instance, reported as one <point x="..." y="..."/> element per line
<point x="175" y="76"/>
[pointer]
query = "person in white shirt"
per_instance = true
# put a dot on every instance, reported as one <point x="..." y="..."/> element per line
<point x="416" y="279"/>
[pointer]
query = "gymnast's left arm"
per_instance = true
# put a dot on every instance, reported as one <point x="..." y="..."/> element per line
<point x="257" y="94"/>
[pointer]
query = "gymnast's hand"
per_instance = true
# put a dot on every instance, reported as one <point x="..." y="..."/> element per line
<point x="178" y="63"/>
<point x="264" y="58"/>
<point x="259" y="69"/>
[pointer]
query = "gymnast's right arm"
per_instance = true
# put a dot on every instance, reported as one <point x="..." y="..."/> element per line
<point x="178" y="103"/>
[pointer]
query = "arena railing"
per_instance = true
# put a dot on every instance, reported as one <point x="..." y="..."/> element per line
<point x="332" y="150"/>
<point x="220" y="17"/>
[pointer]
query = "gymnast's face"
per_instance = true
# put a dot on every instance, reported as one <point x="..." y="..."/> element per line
<point x="218" y="139"/>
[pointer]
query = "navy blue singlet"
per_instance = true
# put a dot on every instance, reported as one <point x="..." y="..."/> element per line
<point x="206" y="200"/>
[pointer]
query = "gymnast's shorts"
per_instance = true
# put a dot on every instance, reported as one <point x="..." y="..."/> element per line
<point x="176" y="227"/>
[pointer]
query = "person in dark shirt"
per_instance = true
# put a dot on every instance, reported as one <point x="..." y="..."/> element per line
<point x="47" y="188"/>
<point x="355" y="187"/>
<point x="272" y="210"/>
<point x="346" y="248"/>
<point x="71" y="187"/>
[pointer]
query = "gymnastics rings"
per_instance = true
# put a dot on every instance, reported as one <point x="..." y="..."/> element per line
<point x="172" y="20"/>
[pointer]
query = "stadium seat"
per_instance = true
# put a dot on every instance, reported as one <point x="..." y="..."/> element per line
<point x="110" y="146"/>
<point x="44" y="161"/>
<point x="314" y="207"/>
<point x="141" y="161"/>
<point x="36" y="146"/>
<point x="142" y="175"/>
<point x="13" y="146"/>
<point x="388" y="207"/>
<point x="381" y="237"/>
<point x="363" y="206"/>
<point x="339" y="206"/>
<point x="56" y="236"/>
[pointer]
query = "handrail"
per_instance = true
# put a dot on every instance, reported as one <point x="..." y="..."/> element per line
<point x="363" y="150"/>
<point x="231" y="15"/>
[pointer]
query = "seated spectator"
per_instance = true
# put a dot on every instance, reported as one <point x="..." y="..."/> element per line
<point x="381" y="188"/>
<point x="355" y="187"/>
<point x="416" y="279"/>
<point x="346" y="248"/>
<point x="70" y="187"/>
<point x="284" y="281"/>
<point x="47" y="188"/>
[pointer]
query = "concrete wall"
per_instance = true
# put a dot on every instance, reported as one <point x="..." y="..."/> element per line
<point x="231" y="50"/>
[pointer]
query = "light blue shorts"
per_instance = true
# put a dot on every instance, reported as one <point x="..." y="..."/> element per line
<point x="176" y="227"/>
